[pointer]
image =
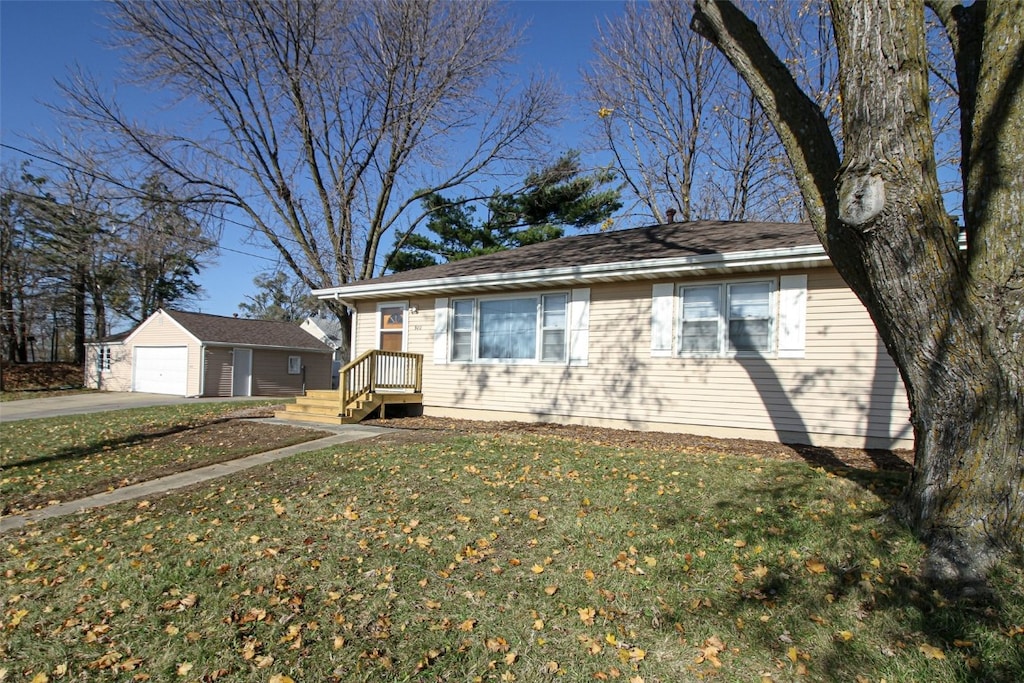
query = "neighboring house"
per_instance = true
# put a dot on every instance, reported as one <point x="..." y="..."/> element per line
<point x="712" y="328"/>
<point x="328" y="331"/>
<point x="195" y="354"/>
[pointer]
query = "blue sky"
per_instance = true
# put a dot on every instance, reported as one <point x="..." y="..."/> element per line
<point x="40" y="40"/>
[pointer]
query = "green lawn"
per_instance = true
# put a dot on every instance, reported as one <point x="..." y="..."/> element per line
<point x="69" y="457"/>
<point x="498" y="558"/>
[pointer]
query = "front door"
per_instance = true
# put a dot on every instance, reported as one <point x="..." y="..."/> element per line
<point x="391" y="327"/>
<point x="241" y="378"/>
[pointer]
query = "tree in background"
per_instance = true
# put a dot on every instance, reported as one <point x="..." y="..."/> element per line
<point x="76" y="255"/>
<point x="281" y="296"/>
<point x="683" y="131"/>
<point x="558" y="196"/>
<point x="952" y="319"/>
<point x="19" y="271"/>
<point x="323" y="124"/>
<point x="162" y="248"/>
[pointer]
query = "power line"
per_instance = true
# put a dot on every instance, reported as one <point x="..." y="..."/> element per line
<point x="96" y="214"/>
<point x="135" y="191"/>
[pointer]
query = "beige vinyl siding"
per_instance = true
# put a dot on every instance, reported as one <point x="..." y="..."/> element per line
<point x="160" y="330"/>
<point x="845" y="391"/>
<point x="218" y="371"/>
<point x="118" y="378"/>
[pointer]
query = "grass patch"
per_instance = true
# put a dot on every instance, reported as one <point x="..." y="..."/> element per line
<point x="498" y="558"/>
<point x="63" y="458"/>
<point x="27" y="394"/>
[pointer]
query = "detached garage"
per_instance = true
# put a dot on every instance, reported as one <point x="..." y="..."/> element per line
<point x="195" y="354"/>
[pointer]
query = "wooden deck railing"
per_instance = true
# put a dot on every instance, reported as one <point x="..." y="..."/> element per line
<point x="376" y="370"/>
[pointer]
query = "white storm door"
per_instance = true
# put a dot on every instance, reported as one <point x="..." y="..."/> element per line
<point x="241" y="377"/>
<point x="161" y="370"/>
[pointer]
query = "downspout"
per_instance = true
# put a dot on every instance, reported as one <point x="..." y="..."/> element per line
<point x="202" y="369"/>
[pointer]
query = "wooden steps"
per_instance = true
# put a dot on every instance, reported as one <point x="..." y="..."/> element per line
<point x="324" y="407"/>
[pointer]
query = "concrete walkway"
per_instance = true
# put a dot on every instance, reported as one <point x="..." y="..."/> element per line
<point x="343" y="434"/>
<point x="98" y="401"/>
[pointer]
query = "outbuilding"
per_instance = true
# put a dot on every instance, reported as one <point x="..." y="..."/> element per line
<point x="197" y="354"/>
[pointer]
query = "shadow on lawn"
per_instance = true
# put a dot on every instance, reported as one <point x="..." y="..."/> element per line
<point x="887" y="611"/>
<point x="126" y="441"/>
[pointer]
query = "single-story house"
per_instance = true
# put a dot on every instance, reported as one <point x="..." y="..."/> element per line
<point x="724" y="329"/>
<point x="196" y="354"/>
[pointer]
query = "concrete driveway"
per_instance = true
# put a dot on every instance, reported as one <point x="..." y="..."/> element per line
<point x="76" y="404"/>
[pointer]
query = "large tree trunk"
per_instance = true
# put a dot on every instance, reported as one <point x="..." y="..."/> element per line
<point x="951" y="319"/>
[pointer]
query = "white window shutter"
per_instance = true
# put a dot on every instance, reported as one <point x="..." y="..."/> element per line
<point x="441" y="331"/>
<point x="792" y="316"/>
<point x="579" y="326"/>
<point x="661" y="319"/>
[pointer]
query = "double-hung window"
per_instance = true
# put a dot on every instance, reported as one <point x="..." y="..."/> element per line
<point x="103" y="358"/>
<point x="519" y="329"/>
<point x="726" y="318"/>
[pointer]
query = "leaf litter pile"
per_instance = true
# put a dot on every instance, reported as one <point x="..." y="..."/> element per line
<point x="523" y="555"/>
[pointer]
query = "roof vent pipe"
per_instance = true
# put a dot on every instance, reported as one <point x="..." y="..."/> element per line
<point x="671" y="213"/>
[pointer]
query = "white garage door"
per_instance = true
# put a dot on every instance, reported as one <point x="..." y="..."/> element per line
<point x="161" y="370"/>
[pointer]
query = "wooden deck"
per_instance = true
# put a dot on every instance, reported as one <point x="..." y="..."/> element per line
<point x="368" y="385"/>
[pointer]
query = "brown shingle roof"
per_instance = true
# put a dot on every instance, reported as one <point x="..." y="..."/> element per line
<point x="216" y="329"/>
<point x="637" y="244"/>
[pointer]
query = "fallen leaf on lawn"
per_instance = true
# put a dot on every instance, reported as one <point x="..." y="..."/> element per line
<point x="845" y="635"/>
<point x="710" y="650"/>
<point x="281" y="678"/>
<point x="586" y="614"/>
<point x="815" y="566"/>
<point x="468" y="625"/>
<point x="184" y="668"/>
<point x="496" y="644"/>
<point x="550" y="668"/>
<point x="550" y="590"/>
<point x="931" y="652"/>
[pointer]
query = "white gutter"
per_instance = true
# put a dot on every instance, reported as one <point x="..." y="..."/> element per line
<point x="809" y="256"/>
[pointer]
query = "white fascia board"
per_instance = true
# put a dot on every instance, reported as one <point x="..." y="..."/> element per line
<point x="763" y="259"/>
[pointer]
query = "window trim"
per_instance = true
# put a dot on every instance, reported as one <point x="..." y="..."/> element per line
<point x="380" y="330"/>
<point x="538" y="351"/>
<point x="104" y="359"/>
<point x="725" y="349"/>
<point x="294" y="365"/>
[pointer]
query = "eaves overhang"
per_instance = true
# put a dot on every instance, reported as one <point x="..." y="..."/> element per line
<point x="809" y="256"/>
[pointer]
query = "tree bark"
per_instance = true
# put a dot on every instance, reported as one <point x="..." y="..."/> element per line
<point x="951" y="319"/>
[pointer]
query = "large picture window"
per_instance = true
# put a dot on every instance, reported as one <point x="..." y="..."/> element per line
<point x="509" y="329"/>
<point x="726" y="318"/>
